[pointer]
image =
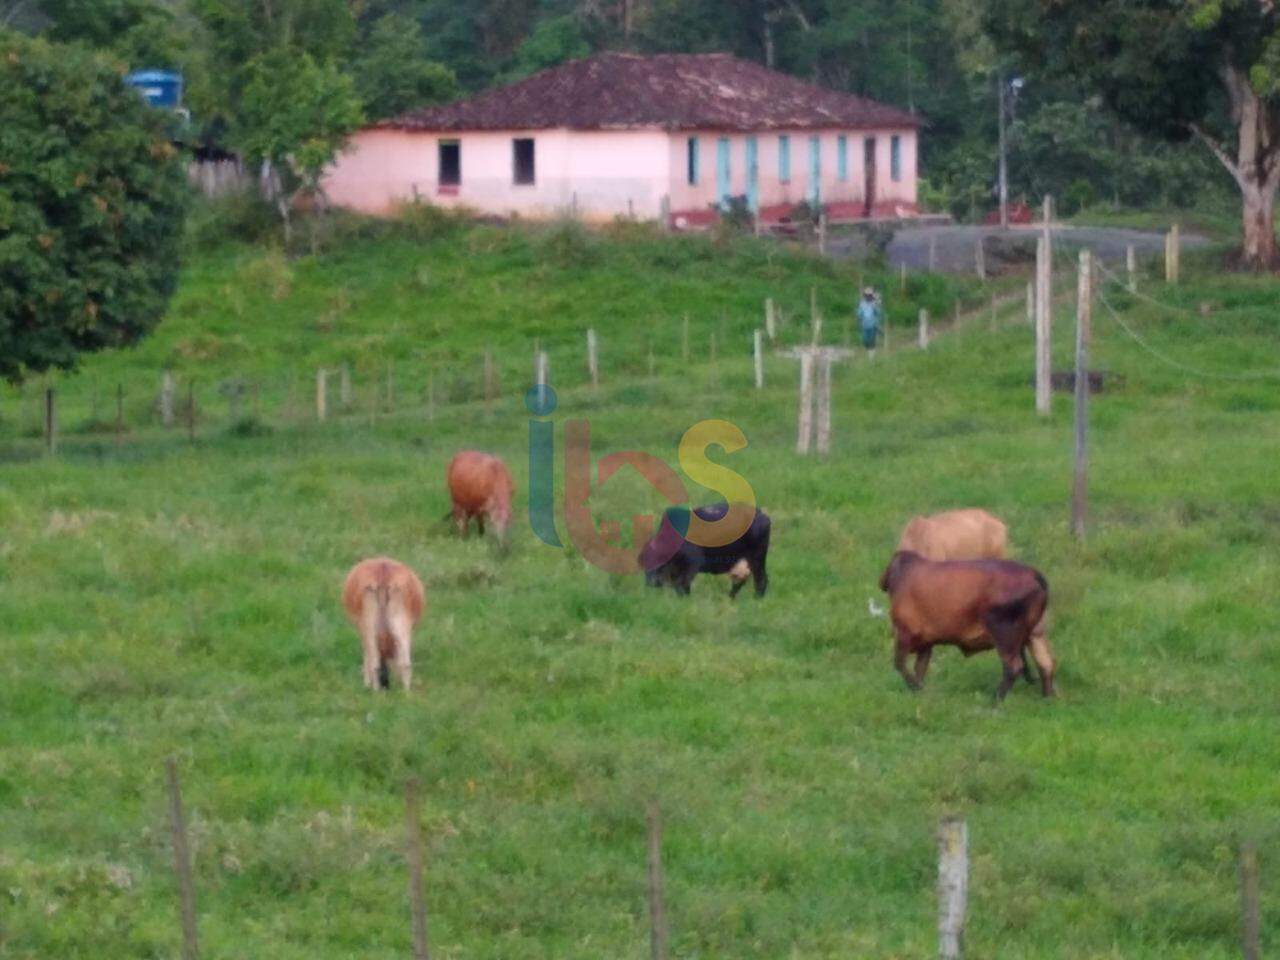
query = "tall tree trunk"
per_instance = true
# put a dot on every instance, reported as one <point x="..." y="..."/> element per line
<point x="1255" y="166"/>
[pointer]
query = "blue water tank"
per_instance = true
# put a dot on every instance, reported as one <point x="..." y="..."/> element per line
<point x="161" y="88"/>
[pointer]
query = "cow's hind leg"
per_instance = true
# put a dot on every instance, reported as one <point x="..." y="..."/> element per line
<point x="922" y="665"/>
<point x="1010" y="638"/>
<point x="1028" y="674"/>
<point x="1043" y="655"/>
<point x="759" y="573"/>
<point x="733" y="590"/>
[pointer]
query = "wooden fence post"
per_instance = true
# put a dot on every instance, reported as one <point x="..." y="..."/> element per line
<point x="593" y="367"/>
<point x="182" y="863"/>
<point x="543" y="369"/>
<point x="658" y="933"/>
<point x="664" y="212"/>
<point x="1080" y="474"/>
<point x="824" y="404"/>
<point x="758" y="350"/>
<point x="805" y="425"/>
<point x="322" y="394"/>
<point x="770" y="320"/>
<point x="50" y="423"/>
<point x="1251" y="914"/>
<point x="1131" y="265"/>
<point x="1044" y="302"/>
<point x="953" y="887"/>
<point x="822" y="234"/>
<point x="980" y="260"/>
<point x="167" y="388"/>
<point x="413" y="853"/>
<point x="923" y="333"/>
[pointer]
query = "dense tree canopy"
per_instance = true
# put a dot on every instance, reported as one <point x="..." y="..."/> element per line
<point x="1204" y="69"/>
<point x="937" y="57"/>
<point x="91" y="205"/>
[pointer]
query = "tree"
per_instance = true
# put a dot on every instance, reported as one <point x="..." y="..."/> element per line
<point x="92" y="199"/>
<point x="1203" y="69"/>
<point x="392" y="72"/>
<point x="295" y="115"/>
<point x="552" y="41"/>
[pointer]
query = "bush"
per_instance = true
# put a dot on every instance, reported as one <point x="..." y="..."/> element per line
<point x="567" y="243"/>
<point x="241" y="217"/>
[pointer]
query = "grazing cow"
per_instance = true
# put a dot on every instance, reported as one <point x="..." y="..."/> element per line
<point x="668" y="558"/>
<point x="975" y="605"/>
<point x="385" y="600"/>
<point x="481" y="488"/>
<point x="956" y="535"/>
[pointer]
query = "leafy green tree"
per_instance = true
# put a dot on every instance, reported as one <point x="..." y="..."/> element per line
<point x="392" y="71"/>
<point x="552" y="41"/>
<point x="295" y="115"/>
<point x="92" y="198"/>
<point x="1203" y="69"/>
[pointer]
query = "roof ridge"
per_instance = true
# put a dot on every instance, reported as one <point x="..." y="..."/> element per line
<point x="676" y="91"/>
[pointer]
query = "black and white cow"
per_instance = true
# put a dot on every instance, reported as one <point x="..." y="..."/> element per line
<point x="669" y="558"/>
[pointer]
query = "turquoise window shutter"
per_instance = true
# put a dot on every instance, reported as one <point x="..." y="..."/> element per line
<point x="722" y="171"/>
<point x="815" y="170"/>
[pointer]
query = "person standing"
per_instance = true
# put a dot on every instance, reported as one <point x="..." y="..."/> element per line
<point x="870" y="317"/>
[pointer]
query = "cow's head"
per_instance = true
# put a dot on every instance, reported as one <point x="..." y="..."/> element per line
<point x="901" y="562"/>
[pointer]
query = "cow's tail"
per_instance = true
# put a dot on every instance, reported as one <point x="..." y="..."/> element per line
<point x="385" y="638"/>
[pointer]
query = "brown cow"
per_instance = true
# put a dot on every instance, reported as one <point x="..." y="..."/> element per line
<point x="956" y="535"/>
<point x="385" y="600"/>
<point x="481" y="488"/>
<point x="975" y="605"/>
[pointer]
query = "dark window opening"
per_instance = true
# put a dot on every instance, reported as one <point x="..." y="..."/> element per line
<point x="524" y="160"/>
<point x="450" y="163"/>
<point x="693" y="161"/>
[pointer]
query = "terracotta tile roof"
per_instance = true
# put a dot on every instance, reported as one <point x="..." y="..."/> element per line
<point x="672" y="91"/>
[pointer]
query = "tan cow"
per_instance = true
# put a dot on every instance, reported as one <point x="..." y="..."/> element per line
<point x="481" y="487"/>
<point x="957" y="535"/>
<point x="385" y="601"/>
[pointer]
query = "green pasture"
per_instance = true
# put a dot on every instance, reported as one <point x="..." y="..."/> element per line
<point x="168" y="596"/>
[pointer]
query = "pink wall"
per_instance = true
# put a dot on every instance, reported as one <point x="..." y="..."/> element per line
<point x="603" y="173"/>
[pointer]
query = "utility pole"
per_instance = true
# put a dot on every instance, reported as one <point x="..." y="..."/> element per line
<point x="1004" y="158"/>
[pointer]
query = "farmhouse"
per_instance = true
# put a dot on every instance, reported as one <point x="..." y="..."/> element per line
<point x="670" y="135"/>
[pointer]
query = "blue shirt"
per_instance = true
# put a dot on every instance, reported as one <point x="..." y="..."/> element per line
<point x="868" y="314"/>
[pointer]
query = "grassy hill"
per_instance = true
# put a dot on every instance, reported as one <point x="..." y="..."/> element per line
<point x="163" y="596"/>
